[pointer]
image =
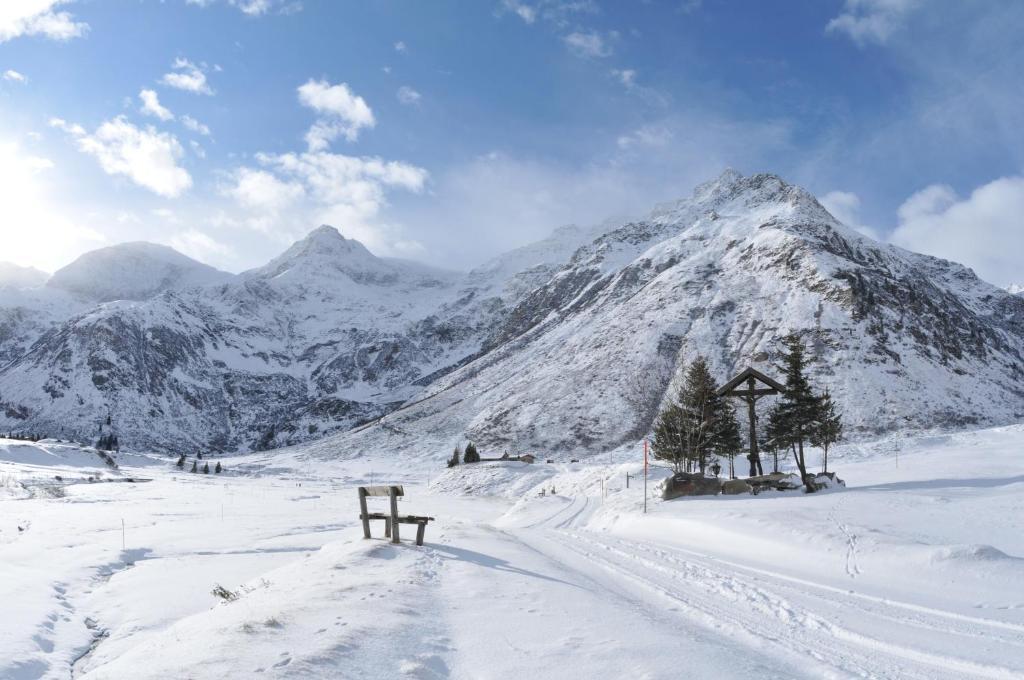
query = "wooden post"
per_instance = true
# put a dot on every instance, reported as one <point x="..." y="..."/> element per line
<point x="419" y="533"/>
<point x="363" y="512"/>
<point x="393" y="494"/>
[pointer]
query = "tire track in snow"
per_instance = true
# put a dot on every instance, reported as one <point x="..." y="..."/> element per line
<point x="733" y="602"/>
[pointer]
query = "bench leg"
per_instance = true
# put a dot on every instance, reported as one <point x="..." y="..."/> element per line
<point x="394" y="514"/>
<point x="419" y="533"/>
<point x="362" y="513"/>
<point x="387" y="527"/>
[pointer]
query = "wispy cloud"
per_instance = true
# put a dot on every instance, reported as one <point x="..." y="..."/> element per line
<point x="983" y="230"/>
<point x="255" y="8"/>
<point x="38" y="17"/>
<point x="527" y="13"/>
<point x="408" y="96"/>
<point x="626" y="76"/>
<point x="195" y="126"/>
<point x="187" y="76"/>
<point x="401" y="47"/>
<point x="342" y="113"/>
<point x="326" y="188"/>
<point x="151" y="106"/>
<point x="587" y="44"/>
<point x="866" y="21"/>
<point x="145" y="156"/>
<point x="14" y="76"/>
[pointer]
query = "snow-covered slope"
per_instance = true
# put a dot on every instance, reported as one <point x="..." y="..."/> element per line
<point x="904" y="341"/>
<point x="912" y="571"/>
<point x="568" y="345"/>
<point x="133" y="271"/>
<point x="15" y="276"/>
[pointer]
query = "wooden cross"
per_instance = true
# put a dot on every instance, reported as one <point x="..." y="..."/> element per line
<point x="750" y="377"/>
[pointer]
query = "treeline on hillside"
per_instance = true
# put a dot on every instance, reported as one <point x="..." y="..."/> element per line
<point x="699" y="426"/>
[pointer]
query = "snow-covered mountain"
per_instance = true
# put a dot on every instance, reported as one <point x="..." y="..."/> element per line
<point x="565" y="345"/>
<point x="16" y="276"/>
<point x="904" y="341"/>
<point x="133" y="271"/>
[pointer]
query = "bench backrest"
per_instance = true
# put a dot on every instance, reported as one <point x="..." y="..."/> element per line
<point x="382" y="490"/>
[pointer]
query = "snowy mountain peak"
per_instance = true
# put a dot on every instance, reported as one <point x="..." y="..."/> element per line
<point x="16" y="276"/>
<point x="133" y="271"/>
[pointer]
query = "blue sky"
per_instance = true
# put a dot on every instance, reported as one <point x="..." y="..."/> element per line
<point x="450" y="131"/>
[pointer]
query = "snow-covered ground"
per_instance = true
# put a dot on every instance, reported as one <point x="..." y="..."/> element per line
<point x="915" y="570"/>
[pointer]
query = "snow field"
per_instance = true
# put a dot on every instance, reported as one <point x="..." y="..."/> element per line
<point x="913" y="571"/>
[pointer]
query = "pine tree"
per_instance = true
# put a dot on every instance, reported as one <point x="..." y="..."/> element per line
<point x="456" y="456"/>
<point x="471" y="455"/>
<point x="206" y="468"/>
<point x="217" y="469"/>
<point x="199" y="455"/>
<point x="727" y="440"/>
<point x="668" y="437"/>
<point x="701" y="408"/>
<point x="193" y="466"/>
<point x="796" y="414"/>
<point x="181" y="461"/>
<point x="697" y="424"/>
<point x="829" y="428"/>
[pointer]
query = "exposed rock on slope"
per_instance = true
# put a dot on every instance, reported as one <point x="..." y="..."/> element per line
<point x="902" y="340"/>
<point x="567" y="345"/>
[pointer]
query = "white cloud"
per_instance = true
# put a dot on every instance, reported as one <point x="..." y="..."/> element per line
<point x="400" y="47"/>
<point x="197" y="148"/>
<point x="187" y="76"/>
<point x="255" y="7"/>
<point x="262" y="190"/>
<point x="845" y="207"/>
<point x="201" y="246"/>
<point x="626" y="76"/>
<point x="646" y="136"/>
<point x="36" y="232"/>
<point x="145" y="156"/>
<point x="343" y="113"/>
<point x="589" y="44"/>
<point x="38" y="17"/>
<point x="982" y="231"/>
<point x="14" y="76"/>
<point x="151" y="105"/>
<point x="525" y="12"/>
<point x="194" y="125"/>
<point x="347" y="192"/>
<point x="408" y="96"/>
<point x="866" y="21"/>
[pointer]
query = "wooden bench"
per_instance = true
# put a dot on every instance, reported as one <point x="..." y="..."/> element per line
<point x="391" y="519"/>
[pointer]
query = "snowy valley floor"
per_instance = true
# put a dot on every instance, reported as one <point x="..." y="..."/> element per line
<point x="914" y="571"/>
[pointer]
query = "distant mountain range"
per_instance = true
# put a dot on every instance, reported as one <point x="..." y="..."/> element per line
<point x="567" y="345"/>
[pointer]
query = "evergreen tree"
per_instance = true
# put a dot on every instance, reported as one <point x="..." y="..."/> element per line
<point x="727" y="440"/>
<point x="829" y="428"/>
<point x="181" y="461"/>
<point x="456" y="456"/>
<point x="217" y="468"/>
<point x="193" y="466"/>
<point x="199" y="455"/>
<point x="795" y="416"/>
<point x="697" y="425"/>
<point x="668" y="437"/>
<point x="471" y="455"/>
<point x="700" y="407"/>
<point x="206" y="468"/>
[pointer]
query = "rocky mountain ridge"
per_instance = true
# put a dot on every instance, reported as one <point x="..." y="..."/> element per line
<point x="565" y="345"/>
